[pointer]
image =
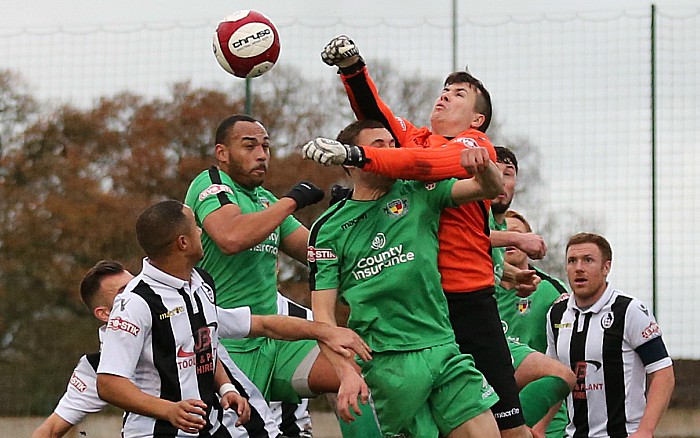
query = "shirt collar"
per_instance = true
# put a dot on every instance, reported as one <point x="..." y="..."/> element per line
<point x="598" y="305"/>
<point x="162" y="277"/>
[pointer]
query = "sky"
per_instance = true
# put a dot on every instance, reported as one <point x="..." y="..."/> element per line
<point x="45" y="13"/>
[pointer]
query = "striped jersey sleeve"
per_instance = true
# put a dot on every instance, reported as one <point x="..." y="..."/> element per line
<point x="81" y="396"/>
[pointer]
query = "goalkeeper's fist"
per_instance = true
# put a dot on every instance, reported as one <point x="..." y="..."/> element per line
<point x="305" y="194"/>
<point x="341" y="51"/>
<point x="329" y="152"/>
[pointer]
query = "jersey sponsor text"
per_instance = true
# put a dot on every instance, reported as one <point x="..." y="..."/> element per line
<point x="77" y="383"/>
<point x="373" y="265"/>
<point x="214" y="189"/>
<point x="118" y="323"/>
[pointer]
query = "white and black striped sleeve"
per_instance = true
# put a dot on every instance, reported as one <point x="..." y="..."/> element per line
<point x="125" y="335"/>
<point x="81" y="396"/>
<point x="234" y="323"/>
<point x="644" y="336"/>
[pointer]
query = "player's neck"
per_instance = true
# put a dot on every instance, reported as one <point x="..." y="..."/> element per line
<point x="176" y="267"/>
<point x="364" y="192"/>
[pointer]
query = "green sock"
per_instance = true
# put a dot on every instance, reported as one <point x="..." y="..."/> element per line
<point x="537" y="397"/>
<point x="364" y="426"/>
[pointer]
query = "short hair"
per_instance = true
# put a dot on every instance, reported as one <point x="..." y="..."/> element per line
<point x="595" y="239"/>
<point x="483" y="100"/>
<point x="515" y="215"/>
<point x="349" y="134"/>
<point x="159" y="225"/>
<point x="506" y="156"/>
<point x="225" y="126"/>
<point x="92" y="280"/>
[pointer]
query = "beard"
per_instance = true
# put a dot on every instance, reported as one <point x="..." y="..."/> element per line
<point x="499" y="208"/>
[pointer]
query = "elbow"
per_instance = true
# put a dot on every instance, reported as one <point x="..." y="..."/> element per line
<point x="230" y="246"/>
<point x="103" y="388"/>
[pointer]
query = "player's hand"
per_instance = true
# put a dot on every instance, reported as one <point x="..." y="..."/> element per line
<point x="231" y="400"/>
<point x="328" y="152"/>
<point x="352" y="387"/>
<point x="532" y="244"/>
<point x="341" y="51"/>
<point x="346" y="342"/>
<point x="526" y="282"/>
<point x="305" y="194"/>
<point x="188" y="415"/>
<point x="475" y="160"/>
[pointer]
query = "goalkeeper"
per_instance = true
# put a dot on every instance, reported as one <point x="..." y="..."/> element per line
<point x="459" y="120"/>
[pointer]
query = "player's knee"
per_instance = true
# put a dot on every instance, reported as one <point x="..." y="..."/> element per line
<point x="569" y="377"/>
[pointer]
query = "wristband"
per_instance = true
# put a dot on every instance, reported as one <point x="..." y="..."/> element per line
<point x="227" y="387"/>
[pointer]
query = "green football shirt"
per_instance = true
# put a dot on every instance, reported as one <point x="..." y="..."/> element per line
<point x="248" y="278"/>
<point x="525" y="319"/>
<point x="497" y="253"/>
<point x="382" y="257"/>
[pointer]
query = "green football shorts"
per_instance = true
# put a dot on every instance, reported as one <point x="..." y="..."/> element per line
<point x="518" y="352"/>
<point x="280" y="369"/>
<point x="425" y="392"/>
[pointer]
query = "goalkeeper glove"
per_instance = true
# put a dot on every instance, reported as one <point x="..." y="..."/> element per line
<point x="328" y="152"/>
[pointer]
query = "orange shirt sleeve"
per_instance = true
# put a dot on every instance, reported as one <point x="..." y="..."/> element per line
<point x="427" y="163"/>
<point x="366" y="104"/>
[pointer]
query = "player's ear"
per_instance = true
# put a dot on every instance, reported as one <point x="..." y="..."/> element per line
<point x="477" y="121"/>
<point x="101" y="313"/>
<point x="221" y="153"/>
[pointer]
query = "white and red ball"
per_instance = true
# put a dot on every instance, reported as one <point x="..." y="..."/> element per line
<point x="246" y="44"/>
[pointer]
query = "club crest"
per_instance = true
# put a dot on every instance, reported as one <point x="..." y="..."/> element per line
<point x="396" y="208"/>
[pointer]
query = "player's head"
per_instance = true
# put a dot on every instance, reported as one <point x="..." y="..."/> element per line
<point x="464" y="103"/>
<point x="508" y="164"/>
<point x="588" y="262"/>
<point x="167" y="229"/>
<point x="517" y="224"/>
<point x="366" y="132"/>
<point x="243" y="149"/>
<point x="101" y="284"/>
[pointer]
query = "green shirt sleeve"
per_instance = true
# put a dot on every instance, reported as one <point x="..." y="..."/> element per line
<point x="211" y="190"/>
<point x="322" y="257"/>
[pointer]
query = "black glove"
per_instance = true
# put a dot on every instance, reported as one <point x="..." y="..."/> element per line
<point x="305" y="194"/>
<point x="338" y="193"/>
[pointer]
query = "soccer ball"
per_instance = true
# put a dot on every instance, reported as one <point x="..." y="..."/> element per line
<point x="246" y="44"/>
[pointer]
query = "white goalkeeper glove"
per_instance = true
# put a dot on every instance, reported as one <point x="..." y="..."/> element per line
<point x="329" y="152"/>
<point x="341" y="51"/>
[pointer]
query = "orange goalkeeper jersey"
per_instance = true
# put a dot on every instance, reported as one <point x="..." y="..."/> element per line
<point x="464" y="259"/>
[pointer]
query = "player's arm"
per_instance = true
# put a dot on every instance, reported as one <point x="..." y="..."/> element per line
<point x="362" y="93"/>
<point x="230" y="397"/>
<point x="53" y="427"/>
<point x="525" y="280"/>
<point x="294" y="245"/>
<point x="186" y="415"/>
<point x="234" y="232"/>
<point x="352" y="385"/>
<point x="487" y="182"/>
<point x="422" y="164"/>
<point x="340" y="340"/>
<point x="660" y="388"/>
<point x="530" y="243"/>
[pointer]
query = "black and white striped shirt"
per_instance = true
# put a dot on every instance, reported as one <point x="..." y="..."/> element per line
<point x="611" y="346"/>
<point x="162" y="335"/>
<point x="293" y="419"/>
